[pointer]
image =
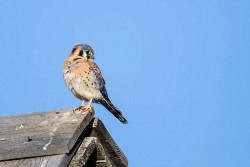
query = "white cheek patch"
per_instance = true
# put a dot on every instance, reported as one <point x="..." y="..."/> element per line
<point x="84" y="54"/>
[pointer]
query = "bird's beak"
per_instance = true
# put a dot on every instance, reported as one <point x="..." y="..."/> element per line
<point x="92" y="55"/>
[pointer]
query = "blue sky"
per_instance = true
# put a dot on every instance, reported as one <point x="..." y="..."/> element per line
<point x="179" y="71"/>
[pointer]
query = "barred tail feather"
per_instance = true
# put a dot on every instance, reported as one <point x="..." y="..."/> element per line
<point x="115" y="111"/>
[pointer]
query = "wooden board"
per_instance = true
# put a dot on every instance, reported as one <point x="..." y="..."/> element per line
<point x="41" y="134"/>
<point x="91" y="153"/>
<point x="84" y="151"/>
<point x="46" y="161"/>
<point x="113" y="152"/>
<point x="100" y="158"/>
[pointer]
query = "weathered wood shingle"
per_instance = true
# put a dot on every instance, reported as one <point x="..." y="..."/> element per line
<point x="40" y="134"/>
<point x="57" y="138"/>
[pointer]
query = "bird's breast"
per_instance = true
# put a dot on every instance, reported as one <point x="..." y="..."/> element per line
<point x="77" y="79"/>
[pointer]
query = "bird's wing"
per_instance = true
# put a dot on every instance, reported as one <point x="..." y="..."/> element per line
<point x="97" y="80"/>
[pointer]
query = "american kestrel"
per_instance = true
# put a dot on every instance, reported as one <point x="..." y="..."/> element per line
<point x="84" y="79"/>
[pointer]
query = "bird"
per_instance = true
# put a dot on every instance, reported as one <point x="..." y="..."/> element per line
<point x="84" y="79"/>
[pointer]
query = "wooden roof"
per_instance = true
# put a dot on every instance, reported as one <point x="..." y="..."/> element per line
<point x="57" y="138"/>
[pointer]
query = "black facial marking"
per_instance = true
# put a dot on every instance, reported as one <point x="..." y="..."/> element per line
<point x="77" y="58"/>
<point x="73" y="50"/>
<point x="80" y="53"/>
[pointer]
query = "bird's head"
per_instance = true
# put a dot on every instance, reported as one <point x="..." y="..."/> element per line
<point x="83" y="50"/>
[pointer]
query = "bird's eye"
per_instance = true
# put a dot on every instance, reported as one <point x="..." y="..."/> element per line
<point x="80" y="53"/>
<point x="88" y="52"/>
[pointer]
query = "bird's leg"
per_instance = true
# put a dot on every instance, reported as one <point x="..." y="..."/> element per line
<point x="80" y="108"/>
<point x="89" y="107"/>
<point x="84" y="108"/>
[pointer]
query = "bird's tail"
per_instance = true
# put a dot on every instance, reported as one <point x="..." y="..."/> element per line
<point x="113" y="109"/>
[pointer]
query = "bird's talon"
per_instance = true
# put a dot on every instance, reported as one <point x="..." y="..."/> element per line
<point x="80" y="108"/>
<point x="83" y="109"/>
<point x="89" y="108"/>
